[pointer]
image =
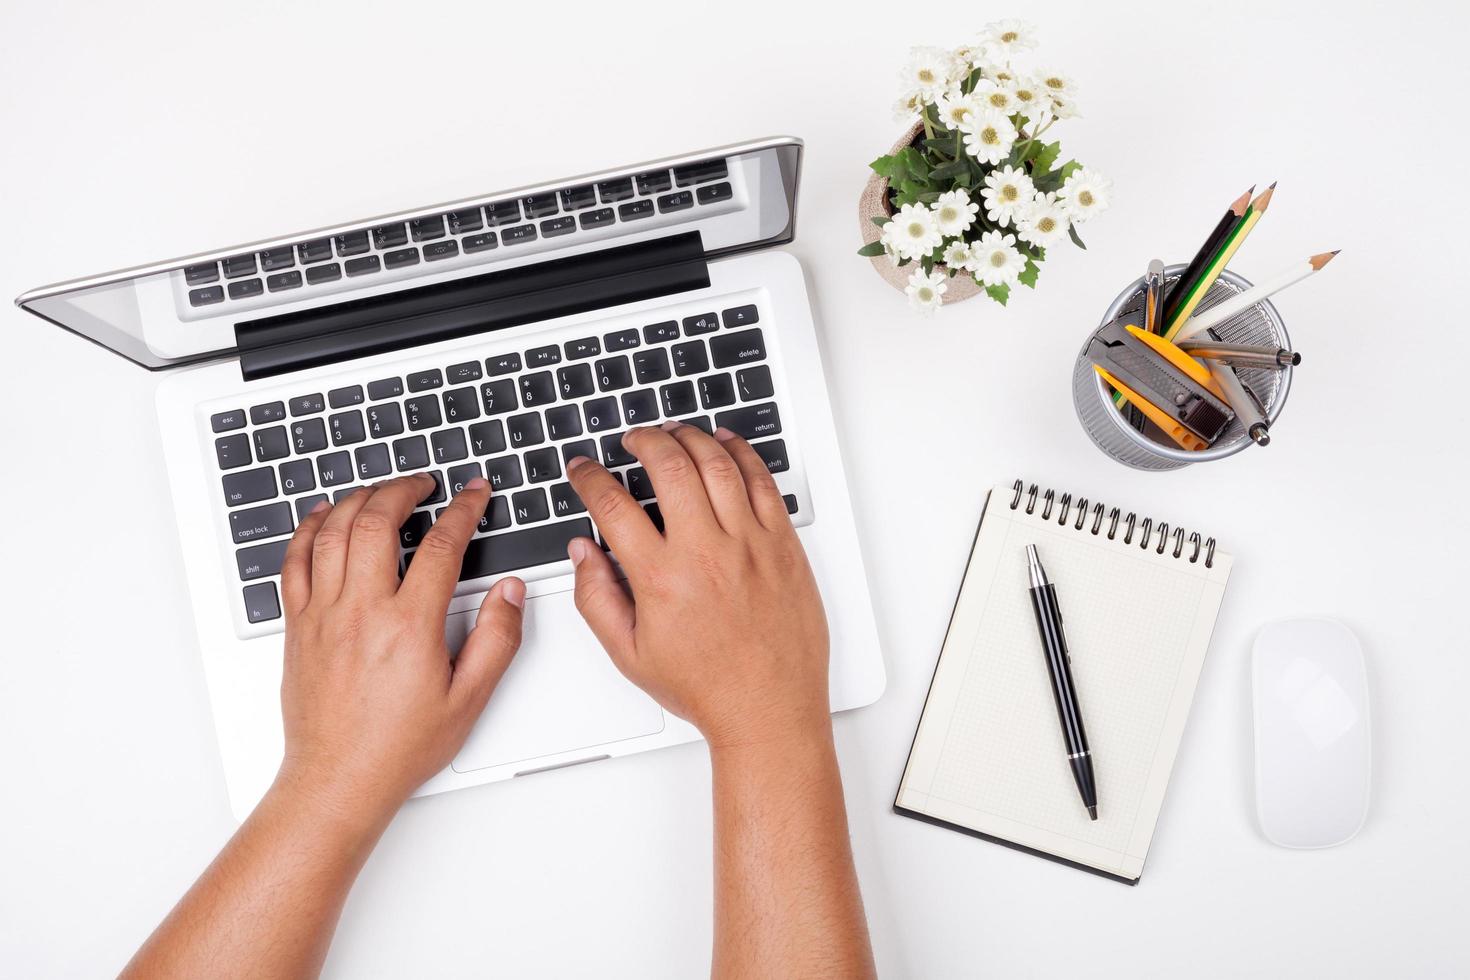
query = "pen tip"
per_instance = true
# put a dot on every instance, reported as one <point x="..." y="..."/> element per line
<point x="1092" y="811"/>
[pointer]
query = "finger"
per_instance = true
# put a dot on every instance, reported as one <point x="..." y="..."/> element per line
<point x="721" y="476"/>
<point x="329" y="552"/>
<point x="488" y="650"/>
<point x="765" y="497"/>
<point x="622" y="522"/>
<point x="602" y="601"/>
<point x="676" y="482"/>
<point x="296" y="566"/>
<point x="431" y="578"/>
<point x="372" y="549"/>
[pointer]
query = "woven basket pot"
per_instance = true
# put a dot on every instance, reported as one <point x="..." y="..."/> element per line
<point x="873" y="203"/>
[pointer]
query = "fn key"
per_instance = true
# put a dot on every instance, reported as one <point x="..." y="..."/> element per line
<point x="261" y="602"/>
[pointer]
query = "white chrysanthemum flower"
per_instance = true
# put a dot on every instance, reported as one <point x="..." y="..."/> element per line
<point x="989" y="137"/>
<point x="991" y="96"/>
<point x="1044" y="222"/>
<point x="1063" y="108"/>
<point x="906" y="110"/>
<point x="955" y="109"/>
<point x="912" y="233"/>
<point x="965" y="59"/>
<point x="1005" y="39"/>
<point x="1029" y="99"/>
<point x="954" y="212"/>
<point x="1085" y="194"/>
<point x="1061" y="89"/>
<point x="928" y="72"/>
<point x="957" y="254"/>
<point x="925" y="289"/>
<point x="996" y="260"/>
<point x="1008" y="193"/>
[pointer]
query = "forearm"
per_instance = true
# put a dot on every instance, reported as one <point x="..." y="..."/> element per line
<point x="268" y="904"/>
<point x="786" y="893"/>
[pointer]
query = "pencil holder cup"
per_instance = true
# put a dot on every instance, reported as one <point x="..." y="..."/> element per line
<point x="1109" y="430"/>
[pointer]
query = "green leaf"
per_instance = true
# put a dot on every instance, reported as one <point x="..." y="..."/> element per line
<point x="1046" y="156"/>
<point x="1068" y="169"/>
<point x="1029" y="274"/>
<point x="1072" y="233"/>
<point x="883" y="166"/>
<point x="928" y="263"/>
<point x="928" y="197"/>
<point x="949" y="171"/>
<point x="881" y="219"/>
<point x="999" y="293"/>
<point x="914" y="163"/>
<point x="872" y="250"/>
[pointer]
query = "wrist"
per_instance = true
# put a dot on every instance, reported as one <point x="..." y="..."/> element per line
<point x="788" y="744"/>
<point x="345" y="813"/>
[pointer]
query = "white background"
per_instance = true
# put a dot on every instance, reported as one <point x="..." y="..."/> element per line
<point x="134" y="132"/>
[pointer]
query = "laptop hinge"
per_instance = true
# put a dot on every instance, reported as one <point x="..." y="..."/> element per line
<point x="476" y="304"/>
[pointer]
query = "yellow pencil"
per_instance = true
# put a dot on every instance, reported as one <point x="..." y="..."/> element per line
<point x="1257" y="208"/>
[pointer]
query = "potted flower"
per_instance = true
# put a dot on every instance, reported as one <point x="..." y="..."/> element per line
<point x="971" y="196"/>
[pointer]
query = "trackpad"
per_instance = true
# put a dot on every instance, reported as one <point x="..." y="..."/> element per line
<point x="560" y="693"/>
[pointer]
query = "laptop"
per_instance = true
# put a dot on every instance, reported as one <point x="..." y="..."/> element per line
<point x="499" y="336"/>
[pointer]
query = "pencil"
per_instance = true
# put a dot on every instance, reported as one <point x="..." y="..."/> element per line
<point x="1230" y="220"/>
<point x="1223" y="311"/>
<point x="1232" y="245"/>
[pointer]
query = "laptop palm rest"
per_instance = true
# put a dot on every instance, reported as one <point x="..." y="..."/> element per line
<point x="560" y="693"/>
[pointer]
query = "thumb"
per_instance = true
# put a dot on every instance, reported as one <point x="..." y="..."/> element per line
<point x="601" y="600"/>
<point x="488" y="650"/>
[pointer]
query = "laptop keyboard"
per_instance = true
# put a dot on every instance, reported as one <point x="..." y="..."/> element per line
<point x="514" y="417"/>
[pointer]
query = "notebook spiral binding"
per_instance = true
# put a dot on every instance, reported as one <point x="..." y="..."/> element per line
<point x="1065" y="506"/>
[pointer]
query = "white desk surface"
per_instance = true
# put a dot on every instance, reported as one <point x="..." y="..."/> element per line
<point x="135" y="132"/>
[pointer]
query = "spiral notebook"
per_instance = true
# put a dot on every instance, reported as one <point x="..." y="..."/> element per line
<point x="1139" y="601"/>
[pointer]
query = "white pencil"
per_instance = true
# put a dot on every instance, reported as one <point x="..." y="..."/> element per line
<point x="1241" y="301"/>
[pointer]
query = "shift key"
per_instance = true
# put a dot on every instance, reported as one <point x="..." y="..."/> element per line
<point x="259" y="523"/>
<point x="261" y="560"/>
<point x="751" y="421"/>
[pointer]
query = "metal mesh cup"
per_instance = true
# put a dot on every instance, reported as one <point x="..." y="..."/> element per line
<point x="1109" y="429"/>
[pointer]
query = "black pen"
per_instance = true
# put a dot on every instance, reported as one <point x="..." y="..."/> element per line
<point x="1058" y="664"/>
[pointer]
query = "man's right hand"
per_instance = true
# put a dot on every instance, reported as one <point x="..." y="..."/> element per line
<point x="724" y="626"/>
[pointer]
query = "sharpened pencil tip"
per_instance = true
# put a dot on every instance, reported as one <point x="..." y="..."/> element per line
<point x="1092" y="811"/>
<point x="1321" y="259"/>
<point x="1261" y="202"/>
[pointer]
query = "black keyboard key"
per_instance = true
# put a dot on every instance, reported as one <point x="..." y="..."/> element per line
<point x="425" y="380"/>
<point x="690" y="358"/>
<point x="335" y="469"/>
<point x="344" y="397"/>
<point x="789" y="500"/>
<point x="614" y="373"/>
<point x="246" y="288"/>
<point x="704" y="323"/>
<point x="390" y="236"/>
<point x="198" y="275"/>
<point x="640" y="407"/>
<point x="678" y="398"/>
<point x="563" y="422"/>
<point x="261" y="602"/>
<point x="574" y="381"/>
<point x="502" y="213"/>
<point x="543" y="356"/>
<point x="487" y="437"/>
<point x="655" y="516"/>
<point x="278" y="258"/>
<point x="639" y="485"/>
<point x="422" y="412"/>
<point x="482" y="242"/>
<point x="362" y="265"/>
<point x="601" y="413"/>
<point x="463" y="373"/>
<point x="634" y="210"/>
<point x="372" y="461"/>
<point x="427" y="229"/>
<point x="458" y="476"/>
<point x="773" y="454"/>
<point x="318" y="274"/>
<point x="497" y="516"/>
<point x="352" y="243"/>
<point x="499" y="396"/>
<point x="678" y="201"/>
<point x="465" y="221"/>
<point x="410" y="454"/>
<point x="461" y="405"/>
<point x="613" y="191"/>
<point x="754" y="383"/>
<point x="577" y="350"/>
<point x="613" y="453"/>
<point x="698" y="173"/>
<point x="449" y="446"/>
<point x="529" y="506"/>
<point x="385" y="420"/>
<point x="249" y="486"/>
<point x="227" y="421"/>
<point x="308" y="436"/>
<point x="386" y="388"/>
<point x="576" y="198"/>
<point x="304" y="505"/>
<point x="260" y="560"/>
<point x="503" y="364"/>
<point x="654" y="182"/>
<point x="621" y="340"/>
<point x="564" y="225"/>
<point x="515" y="550"/>
<point x="401" y="258"/>
<point x="539" y="205"/>
<point x="651" y="365"/>
<point x="337" y="495"/>
<point x="411" y="533"/>
<point x="565" y="502"/>
<point x="346" y="428"/>
<point x="441" y="250"/>
<point x="503" y="472"/>
<point x="702" y="423"/>
<point x="743" y="347"/>
<point x="741" y="316"/>
<point x="710" y="193"/>
<point x="543" y="465"/>
<point x="206" y="296"/>
<point x="716" y="391"/>
<point x="519" y="234"/>
<point x="272" y="443"/>
<point x="656" y="333"/>
<point x="538" y="389"/>
<point x="751" y="421"/>
<point x="525" y="430"/>
<point x="308" y="404"/>
<point x="316" y="250"/>
<point x="267" y="413"/>
<point x="582" y="447"/>
<point x="297" y="476"/>
<point x="439" y="495"/>
<point x="596" y="219"/>
<point x="232" y="452"/>
<point x="239" y="265"/>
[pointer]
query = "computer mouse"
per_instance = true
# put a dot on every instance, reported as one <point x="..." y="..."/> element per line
<point x="1313" y="746"/>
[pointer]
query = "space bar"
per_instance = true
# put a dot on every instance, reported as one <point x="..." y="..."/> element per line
<point x="501" y="553"/>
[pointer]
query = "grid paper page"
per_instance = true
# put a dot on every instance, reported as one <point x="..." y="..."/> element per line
<point x="989" y="753"/>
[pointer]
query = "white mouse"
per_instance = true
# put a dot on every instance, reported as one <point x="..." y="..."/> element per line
<point x="1313" y="748"/>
